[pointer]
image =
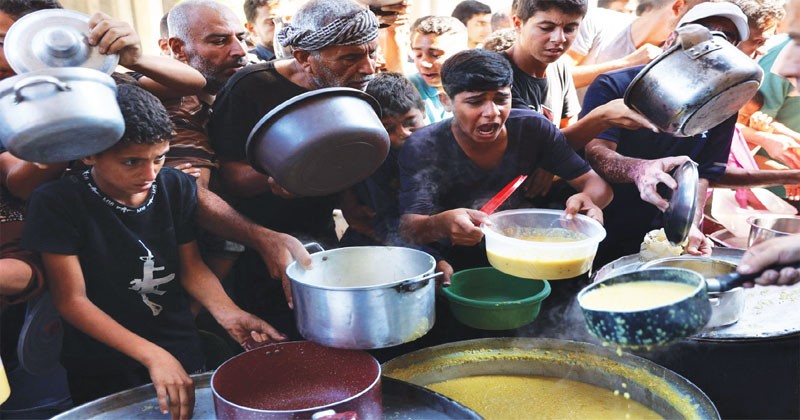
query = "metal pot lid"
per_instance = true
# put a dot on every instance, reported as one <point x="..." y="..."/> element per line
<point x="54" y="38"/>
<point x="682" y="203"/>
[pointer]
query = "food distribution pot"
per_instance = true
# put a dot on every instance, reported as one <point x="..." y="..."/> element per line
<point x="768" y="227"/>
<point x="699" y="82"/>
<point x="320" y="142"/>
<point x="364" y="297"/>
<point x="297" y="380"/>
<point x="654" y="386"/>
<point x="59" y="114"/>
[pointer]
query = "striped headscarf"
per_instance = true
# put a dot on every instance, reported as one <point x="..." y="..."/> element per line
<point x="354" y="30"/>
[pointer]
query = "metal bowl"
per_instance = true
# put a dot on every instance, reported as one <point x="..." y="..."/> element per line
<point x="768" y="227"/>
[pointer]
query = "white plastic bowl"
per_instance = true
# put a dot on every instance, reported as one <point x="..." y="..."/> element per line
<point x="541" y="244"/>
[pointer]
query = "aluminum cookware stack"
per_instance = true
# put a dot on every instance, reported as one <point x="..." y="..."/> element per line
<point x="62" y="103"/>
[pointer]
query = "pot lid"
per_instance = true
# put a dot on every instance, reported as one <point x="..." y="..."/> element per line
<point x="54" y="38"/>
<point x="682" y="203"/>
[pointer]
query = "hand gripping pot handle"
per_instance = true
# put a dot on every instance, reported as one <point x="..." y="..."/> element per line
<point x="37" y="80"/>
<point x="696" y="40"/>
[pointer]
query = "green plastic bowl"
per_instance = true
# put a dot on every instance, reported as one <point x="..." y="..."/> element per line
<point x="488" y="299"/>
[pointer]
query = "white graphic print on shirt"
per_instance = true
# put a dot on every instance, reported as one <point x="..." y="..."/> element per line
<point x="147" y="284"/>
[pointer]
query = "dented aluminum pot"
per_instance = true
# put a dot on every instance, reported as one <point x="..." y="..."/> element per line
<point x="699" y="82"/>
<point x="364" y="297"/>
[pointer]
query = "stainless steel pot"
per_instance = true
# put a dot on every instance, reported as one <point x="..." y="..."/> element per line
<point x="696" y="84"/>
<point x="658" y="388"/>
<point x="59" y="114"/>
<point x="320" y="142"/>
<point x="768" y="227"/>
<point x="364" y="297"/>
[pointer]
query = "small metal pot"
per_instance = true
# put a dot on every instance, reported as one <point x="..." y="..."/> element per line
<point x="297" y="380"/>
<point x="320" y="142"/>
<point x="695" y="85"/>
<point x="768" y="227"/>
<point x="59" y="114"/>
<point x="364" y="297"/>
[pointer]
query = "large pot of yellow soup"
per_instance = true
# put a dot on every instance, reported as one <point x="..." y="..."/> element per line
<point x="646" y="307"/>
<point x="541" y="244"/>
<point x="522" y="378"/>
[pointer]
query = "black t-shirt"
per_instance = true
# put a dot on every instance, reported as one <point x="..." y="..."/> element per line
<point x="249" y="95"/>
<point x="130" y="263"/>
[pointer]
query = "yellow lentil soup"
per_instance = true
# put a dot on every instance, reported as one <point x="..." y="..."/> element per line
<point x="636" y="296"/>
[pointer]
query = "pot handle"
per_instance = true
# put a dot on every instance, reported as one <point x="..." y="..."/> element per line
<point x="733" y="280"/>
<point x="313" y="247"/>
<point x="37" y="80"/>
<point x="414" y="284"/>
<point x="696" y="40"/>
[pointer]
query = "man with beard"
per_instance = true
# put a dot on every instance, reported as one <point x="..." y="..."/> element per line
<point x="334" y="44"/>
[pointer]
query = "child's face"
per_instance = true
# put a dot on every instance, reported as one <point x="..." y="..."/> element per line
<point x="481" y="116"/>
<point x="126" y="172"/>
<point x="401" y="126"/>
<point x="547" y="35"/>
<point x="430" y="52"/>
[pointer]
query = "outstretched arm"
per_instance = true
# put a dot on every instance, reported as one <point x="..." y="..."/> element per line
<point x="460" y="226"/>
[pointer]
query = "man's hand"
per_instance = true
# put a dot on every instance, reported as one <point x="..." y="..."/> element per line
<point x="643" y="55"/>
<point x="581" y="203"/>
<point x="784" y="250"/>
<point x="393" y="14"/>
<point x="278" y="190"/>
<point x="782" y="148"/>
<point x="698" y="244"/>
<point x="278" y="250"/>
<point x="447" y="271"/>
<point x="651" y="173"/>
<point x="617" y="114"/>
<point x="188" y="169"/>
<point x="242" y="326"/>
<point x="462" y="225"/>
<point x="113" y="36"/>
<point x="174" y="387"/>
<point x="538" y="183"/>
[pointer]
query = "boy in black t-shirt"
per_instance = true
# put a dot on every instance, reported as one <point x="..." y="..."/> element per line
<point x="118" y="247"/>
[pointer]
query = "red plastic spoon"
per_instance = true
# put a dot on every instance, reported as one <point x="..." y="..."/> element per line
<point x="503" y="195"/>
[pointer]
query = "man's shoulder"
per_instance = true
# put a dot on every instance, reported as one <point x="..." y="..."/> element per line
<point x="257" y="74"/>
<point x="527" y="118"/>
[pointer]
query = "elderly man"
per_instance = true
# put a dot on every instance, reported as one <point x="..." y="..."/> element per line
<point x="334" y="44"/>
<point x="636" y="161"/>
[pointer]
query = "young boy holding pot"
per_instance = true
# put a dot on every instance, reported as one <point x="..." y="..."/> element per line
<point x="119" y="251"/>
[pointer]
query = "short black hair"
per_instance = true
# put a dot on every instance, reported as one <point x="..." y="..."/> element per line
<point x="465" y="10"/>
<point x="146" y="119"/>
<point x="251" y="7"/>
<point x="527" y="8"/>
<point x="19" y="8"/>
<point x="476" y="70"/>
<point x="395" y="93"/>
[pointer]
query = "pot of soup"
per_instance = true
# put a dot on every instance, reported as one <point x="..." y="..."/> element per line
<point x="504" y="378"/>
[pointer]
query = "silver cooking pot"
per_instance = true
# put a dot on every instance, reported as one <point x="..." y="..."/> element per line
<point x="768" y="227"/>
<point x="59" y="114"/>
<point x="364" y="297"/>
<point x="696" y="84"/>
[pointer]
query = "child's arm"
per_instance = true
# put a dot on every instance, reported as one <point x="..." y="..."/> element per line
<point x="164" y="77"/>
<point x="204" y="286"/>
<point x="68" y="289"/>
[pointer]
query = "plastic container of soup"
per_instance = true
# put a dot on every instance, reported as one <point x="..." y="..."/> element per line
<point x="541" y="244"/>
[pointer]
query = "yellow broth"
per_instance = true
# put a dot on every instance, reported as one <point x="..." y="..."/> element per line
<point x="636" y="296"/>
<point x="542" y="264"/>
<point x="525" y="397"/>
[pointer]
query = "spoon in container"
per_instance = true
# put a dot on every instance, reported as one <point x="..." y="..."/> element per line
<point x="503" y="195"/>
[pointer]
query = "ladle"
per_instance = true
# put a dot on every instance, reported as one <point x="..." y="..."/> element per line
<point x="503" y="195"/>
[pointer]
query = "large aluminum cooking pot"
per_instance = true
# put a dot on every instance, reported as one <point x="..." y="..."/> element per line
<point x="320" y="142"/>
<point x="695" y="85"/>
<point x="364" y="297"/>
<point x="768" y="227"/>
<point x="59" y="114"/>
<point x="297" y="380"/>
<point x="658" y="388"/>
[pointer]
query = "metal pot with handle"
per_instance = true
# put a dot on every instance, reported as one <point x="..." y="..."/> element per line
<point x="59" y="114"/>
<point x="364" y="297"/>
<point x="696" y="84"/>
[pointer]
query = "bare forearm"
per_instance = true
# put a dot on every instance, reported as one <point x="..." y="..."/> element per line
<point x="16" y="278"/>
<point x="584" y="75"/>
<point x="218" y="217"/>
<point x="24" y="177"/>
<point x="201" y="284"/>
<point x="167" y="77"/>
<point x="420" y="229"/>
<point x="241" y="180"/>
<point x="702" y="195"/>
<point x="739" y="177"/>
<point x="581" y="132"/>
<point x="612" y="166"/>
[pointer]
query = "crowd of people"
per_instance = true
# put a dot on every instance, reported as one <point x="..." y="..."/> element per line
<point x="171" y="234"/>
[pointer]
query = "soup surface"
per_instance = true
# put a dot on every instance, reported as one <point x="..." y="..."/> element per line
<point x="546" y="264"/>
<point x="636" y="296"/>
<point x="526" y="397"/>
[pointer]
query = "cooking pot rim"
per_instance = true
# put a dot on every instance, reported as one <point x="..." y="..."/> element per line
<point x="589" y="240"/>
<point x="294" y="266"/>
<point x="64" y="74"/>
<point x="753" y="224"/>
<point x="699" y="288"/>
<point x="369" y="388"/>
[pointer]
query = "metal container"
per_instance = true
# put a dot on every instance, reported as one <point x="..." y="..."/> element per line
<point x="682" y="203"/>
<point x="768" y="227"/>
<point x="364" y="297"/>
<point x="725" y="306"/>
<point x="320" y="142"/>
<point x="656" y="387"/>
<point x="59" y="114"/>
<point x="696" y="84"/>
